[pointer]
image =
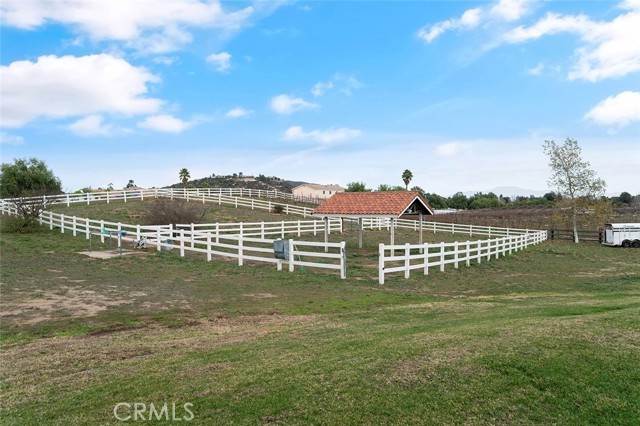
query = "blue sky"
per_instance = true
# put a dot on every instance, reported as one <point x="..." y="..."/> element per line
<point x="462" y="93"/>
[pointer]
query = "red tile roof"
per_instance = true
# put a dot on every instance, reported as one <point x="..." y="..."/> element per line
<point x="383" y="203"/>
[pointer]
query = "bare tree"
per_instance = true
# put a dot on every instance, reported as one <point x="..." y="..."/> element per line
<point x="573" y="177"/>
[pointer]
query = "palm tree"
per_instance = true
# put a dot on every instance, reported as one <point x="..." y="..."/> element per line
<point x="406" y="177"/>
<point x="184" y="175"/>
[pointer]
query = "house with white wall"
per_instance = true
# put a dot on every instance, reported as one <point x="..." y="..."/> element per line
<point x="314" y="190"/>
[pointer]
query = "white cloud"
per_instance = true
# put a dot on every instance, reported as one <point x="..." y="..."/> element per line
<point x="321" y="87"/>
<point x="222" y="61"/>
<point x="165" y="123"/>
<point x="537" y="70"/>
<point x="469" y="19"/>
<point x="141" y="24"/>
<point x="621" y="110"/>
<point x="91" y="125"/>
<point x="285" y="104"/>
<point x="326" y="137"/>
<point x="6" y="138"/>
<point x="511" y="10"/>
<point x="67" y="86"/>
<point x="452" y="149"/>
<point x="165" y="60"/>
<point x="609" y="48"/>
<point x="345" y="83"/>
<point x="238" y="112"/>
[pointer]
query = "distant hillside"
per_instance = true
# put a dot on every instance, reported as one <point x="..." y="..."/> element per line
<point x="267" y="183"/>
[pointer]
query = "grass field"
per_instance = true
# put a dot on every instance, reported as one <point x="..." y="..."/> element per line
<point x="550" y="335"/>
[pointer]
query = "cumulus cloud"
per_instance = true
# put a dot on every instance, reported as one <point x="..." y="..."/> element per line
<point x="326" y="137"/>
<point x="91" y="125"/>
<point x="8" y="139"/>
<point x="452" y="149"/>
<point x="165" y="123"/>
<point x="238" y="112"/>
<point x="67" y="86"/>
<point x="609" y="48"/>
<point x="221" y="61"/>
<point x="285" y="104"/>
<point x="140" y="24"/>
<point x="620" y="110"/>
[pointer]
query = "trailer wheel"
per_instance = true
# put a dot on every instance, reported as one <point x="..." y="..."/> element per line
<point x="626" y="244"/>
<point x="635" y="244"/>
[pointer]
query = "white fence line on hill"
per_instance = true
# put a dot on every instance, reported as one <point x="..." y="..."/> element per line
<point x="430" y="255"/>
<point x="330" y="256"/>
<point x="230" y="196"/>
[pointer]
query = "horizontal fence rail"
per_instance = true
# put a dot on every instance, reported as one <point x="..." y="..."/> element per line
<point x="429" y="255"/>
<point x="264" y="229"/>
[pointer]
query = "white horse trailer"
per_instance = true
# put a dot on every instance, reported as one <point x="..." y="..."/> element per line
<point x="622" y="234"/>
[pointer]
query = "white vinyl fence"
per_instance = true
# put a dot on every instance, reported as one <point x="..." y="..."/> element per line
<point x="429" y="255"/>
<point x="264" y="229"/>
<point x="320" y="255"/>
<point x="237" y="197"/>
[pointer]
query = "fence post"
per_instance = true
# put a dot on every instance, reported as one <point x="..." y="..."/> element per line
<point x="262" y="230"/>
<point x="425" y="250"/>
<point x="381" y="263"/>
<point x="62" y="224"/>
<point x="240" y="251"/>
<point x="282" y="230"/>
<point x="442" y="257"/>
<point x="192" y="235"/>
<point x="124" y="192"/>
<point x="74" y="225"/>
<point x="102" y="231"/>
<point x="87" y="198"/>
<point x="407" y="261"/>
<point x="208" y="246"/>
<point x="87" y="230"/>
<point x="468" y="250"/>
<point x="291" y="257"/>
<point x="298" y="228"/>
<point x="67" y="200"/>
<point x="217" y="233"/>
<point x="343" y="260"/>
<point x="119" y="232"/>
<point x="456" y="255"/>
<point x="158" y="241"/>
<point x="479" y="251"/>
<point x="182" y="242"/>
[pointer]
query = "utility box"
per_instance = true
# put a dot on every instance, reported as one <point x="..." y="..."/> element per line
<point x="281" y="249"/>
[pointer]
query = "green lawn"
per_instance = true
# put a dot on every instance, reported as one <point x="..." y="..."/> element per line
<point x="550" y="335"/>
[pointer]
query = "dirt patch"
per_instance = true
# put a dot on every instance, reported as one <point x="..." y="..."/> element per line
<point x="75" y="301"/>
<point x="260" y="295"/>
<point x="110" y="254"/>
